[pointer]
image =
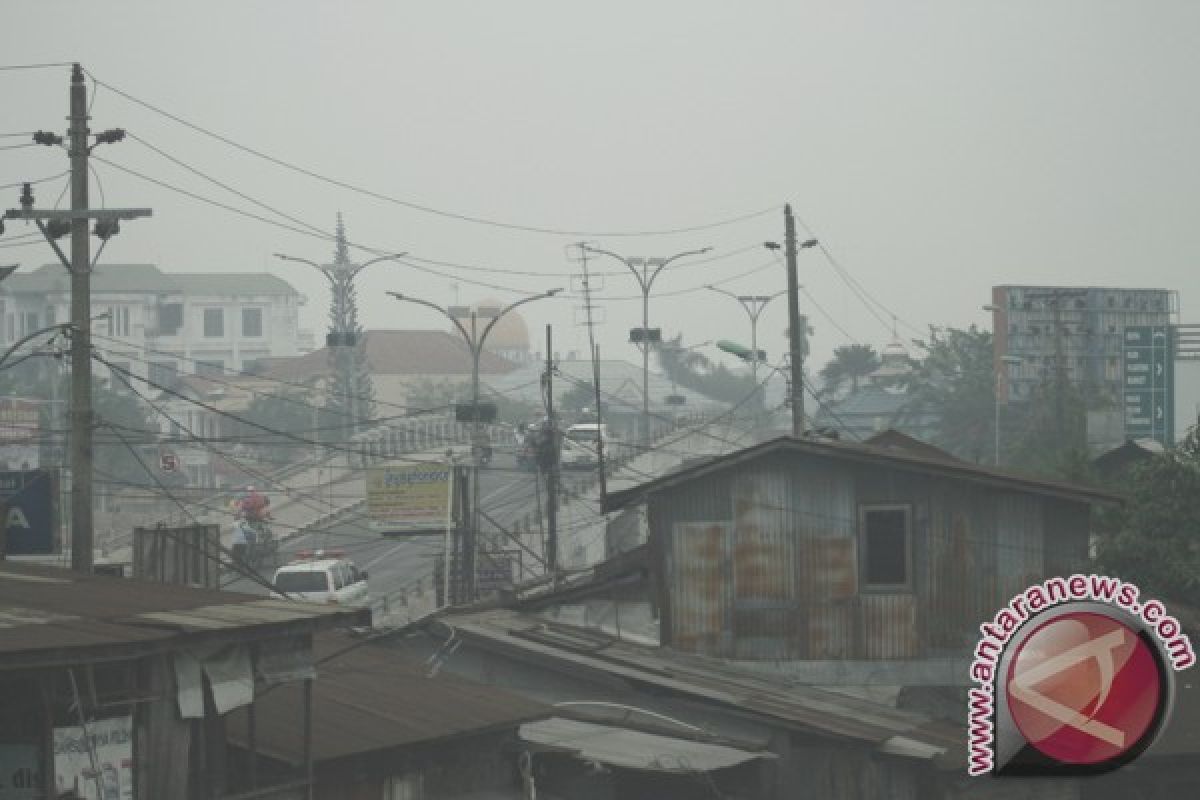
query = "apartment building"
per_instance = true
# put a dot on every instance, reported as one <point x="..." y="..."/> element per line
<point x="160" y="324"/>
<point x="1036" y="326"/>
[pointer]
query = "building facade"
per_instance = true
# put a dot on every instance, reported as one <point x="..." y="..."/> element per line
<point x="158" y="324"/>
<point x="1040" y="330"/>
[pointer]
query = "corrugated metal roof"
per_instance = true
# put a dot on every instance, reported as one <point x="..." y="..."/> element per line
<point x="45" y="611"/>
<point x="149" y="279"/>
<point x="372" y="698"/>
<point x="844" y="451"/>
<point x="786" y="701"/>
<point x="621" y="747"/>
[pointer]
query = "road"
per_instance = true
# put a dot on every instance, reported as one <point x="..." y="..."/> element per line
<point x="405" y="565"/>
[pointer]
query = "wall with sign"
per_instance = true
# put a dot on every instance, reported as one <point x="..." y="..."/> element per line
<point x="30" y="500"/>
<point x="19" y="433"/>
<point x="98" y="766"/>
<point x="410" y="497"/>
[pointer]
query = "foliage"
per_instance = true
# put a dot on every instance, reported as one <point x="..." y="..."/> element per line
<point x="436" y="396"/>
<point x="581" y="398"/>
<point x="288" y="413"/>
<point x="1046" y="435"/>
<point x="954" y="382"/>
<point x="693" y="370"/>
<point x="1154" y="540"/>
<point x="351" y="395"/>
<point x="850" y="362"/>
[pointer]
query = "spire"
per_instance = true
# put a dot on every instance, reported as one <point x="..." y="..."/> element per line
<point x="341" y="253"/>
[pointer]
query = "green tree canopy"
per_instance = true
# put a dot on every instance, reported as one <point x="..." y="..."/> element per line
<point x="850" y="363"/>
<point x="954" y="381"/>
<point x="1154" y="540"/>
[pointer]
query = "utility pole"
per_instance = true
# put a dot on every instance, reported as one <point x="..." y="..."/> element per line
<point x="795" y="347"/>
<point x="79" y="265"/>
<point x="549" y="447"/>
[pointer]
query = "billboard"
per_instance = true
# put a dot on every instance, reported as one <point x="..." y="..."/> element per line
<point x="1149" y="381"/>
<point x="30" y="499"/>
<point x="19" y="432"/>
<point x="97" y="765"/>
<point x="410" y="497"/>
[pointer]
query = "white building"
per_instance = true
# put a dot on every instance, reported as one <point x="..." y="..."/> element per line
<point x="159" y="324"/>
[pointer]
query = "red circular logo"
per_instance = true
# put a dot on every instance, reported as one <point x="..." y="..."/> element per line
<point x="1084" y="688"/>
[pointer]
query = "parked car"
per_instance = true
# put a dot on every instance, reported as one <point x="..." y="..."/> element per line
<point x="579" y="445"/>
<point x="323" y="576"/>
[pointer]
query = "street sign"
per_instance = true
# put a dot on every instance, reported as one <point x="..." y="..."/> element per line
<point x="412" y="497"/>
<point x="1149" y="383"/>
<point x="29" y="498"/>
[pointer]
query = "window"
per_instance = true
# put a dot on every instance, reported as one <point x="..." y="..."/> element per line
<point x="214" y="322"/>
<point x="29" y="322"/>
<point x="309" y="581"/>
<point x="886" y="552"/>
<point x="170" y="318"/>
<point x="214" y="367"/>
<point x="409" y="786"/>
<point x="51" y="316"/>
<point x="252" y="322"/>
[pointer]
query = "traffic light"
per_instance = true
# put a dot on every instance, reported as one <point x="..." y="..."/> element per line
<point x="464" y="412"/>
<point x="648" y="335"/>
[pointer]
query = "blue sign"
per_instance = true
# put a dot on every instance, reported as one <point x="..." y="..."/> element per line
<point x="1149" y="383"/>
<point x="30" y="501"/>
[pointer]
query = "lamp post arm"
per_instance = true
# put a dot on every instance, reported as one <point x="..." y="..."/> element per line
<point x="675" y="257"/>
<point x="510" y="307"/>
<point x="466" y="336"/>
<point x="641" y="281"/>
<point x="328" y="273"/>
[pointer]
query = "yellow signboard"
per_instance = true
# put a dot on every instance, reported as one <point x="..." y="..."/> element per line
<point x="408" y="497"/>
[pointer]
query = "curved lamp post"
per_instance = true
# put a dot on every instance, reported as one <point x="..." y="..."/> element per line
<point x="645" y="279"/>
<point x="475" y="342"/>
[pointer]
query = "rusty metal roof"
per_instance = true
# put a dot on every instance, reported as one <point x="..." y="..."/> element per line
<point x="372" y="698"/>
<point x="50" y="615"/>
<point x="862" y="453"/>
<point x="786" y="701"/>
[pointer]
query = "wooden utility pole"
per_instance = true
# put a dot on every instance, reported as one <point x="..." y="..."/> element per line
<point x="75" y="221"/>
<point x="795" y="347"/>
<point x="81" y="334"/>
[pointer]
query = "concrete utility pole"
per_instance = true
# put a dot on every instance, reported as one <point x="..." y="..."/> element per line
<point x="549" y="450"/>
<point x="644" y="336"/>
<point x="54" y="225"/>
<point x="475" y="342"/>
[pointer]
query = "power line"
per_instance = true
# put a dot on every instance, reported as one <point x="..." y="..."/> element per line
<point x="10" y="67"/>
<point x="419" y="206"/>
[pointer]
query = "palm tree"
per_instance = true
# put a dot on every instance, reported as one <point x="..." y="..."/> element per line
<point x="850" y="363"/>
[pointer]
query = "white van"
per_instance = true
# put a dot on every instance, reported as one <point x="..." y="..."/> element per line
<point x="579" y="444"/>
<point x="323" y="577"/>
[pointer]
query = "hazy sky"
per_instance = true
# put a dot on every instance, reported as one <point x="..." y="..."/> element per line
<point x="936" y="148"/>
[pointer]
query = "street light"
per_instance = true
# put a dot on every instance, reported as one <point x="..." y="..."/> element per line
<point x="341" y="275"/>
<point x="753" y="305"/>
<point x="644" y="337"/>
<point x="475" y="342"/>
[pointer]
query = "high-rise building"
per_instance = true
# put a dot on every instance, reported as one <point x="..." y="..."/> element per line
<point x="1042" y="332"/>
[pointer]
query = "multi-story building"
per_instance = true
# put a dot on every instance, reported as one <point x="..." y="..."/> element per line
<point x="1040" y="330"/>
<point x="159" y="324"/>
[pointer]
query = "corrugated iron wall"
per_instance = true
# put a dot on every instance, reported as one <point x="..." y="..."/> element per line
<point x="761" y="562"/>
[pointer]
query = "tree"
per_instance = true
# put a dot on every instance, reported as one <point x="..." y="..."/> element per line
<point x="694" y="371"/>
<point x="581" y="398"/>
<point x="288" y="413"/>
<point x="1154" y="539"/>
<point x="955" y="383"/>
<point x="1046" y="434"/>
<point x="351" y="391"/>
<point x="850" y="362"/>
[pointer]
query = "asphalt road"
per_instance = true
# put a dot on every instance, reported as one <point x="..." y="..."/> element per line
<point x="396" y="564"/>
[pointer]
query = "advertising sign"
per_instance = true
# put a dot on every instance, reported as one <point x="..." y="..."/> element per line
<point x="1149" y="383"/>
<point x="104" y="766"/>
<point x="30" y="497"/>
<point x="19" y="430"/>
<point x="410" y="497"/>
